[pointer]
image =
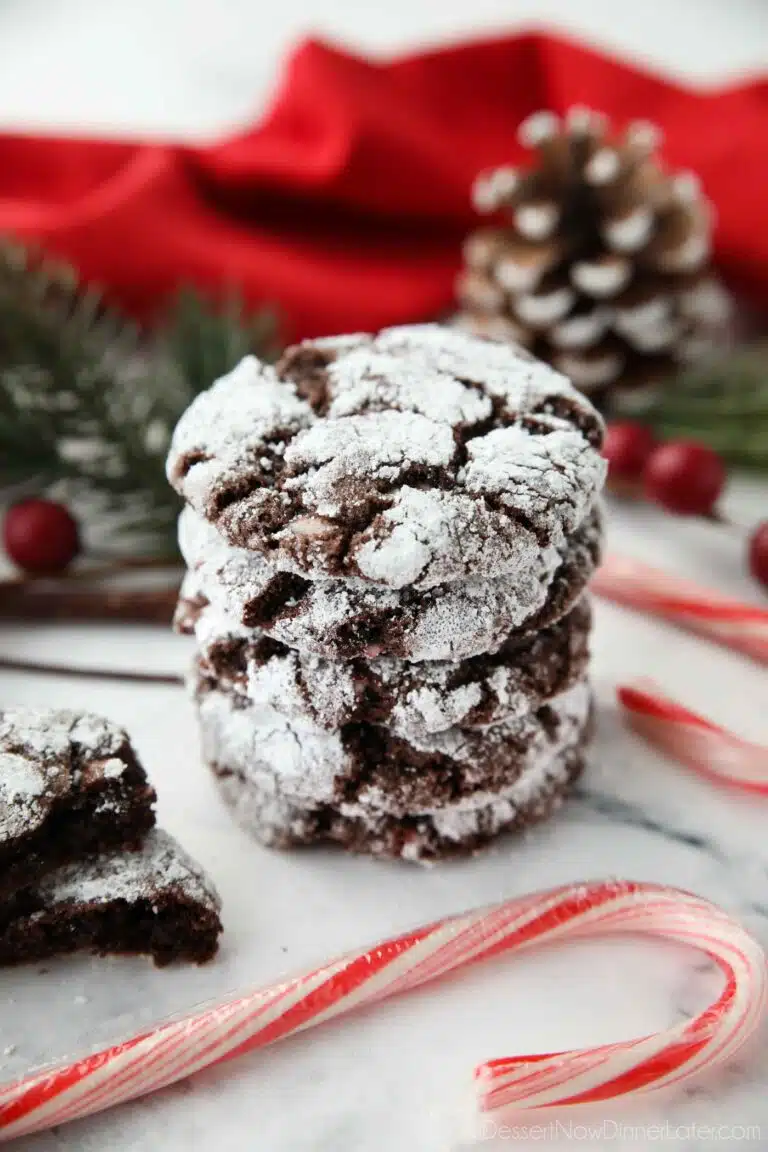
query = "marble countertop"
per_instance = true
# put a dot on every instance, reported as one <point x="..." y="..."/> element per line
<point x="397" y="1077"/>
<point x="394" y="1078"/>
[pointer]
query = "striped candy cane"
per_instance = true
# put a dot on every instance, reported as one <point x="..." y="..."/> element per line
<point x="694" y="740"/>
<point x="179" y="1048"/>
<point x="719" y="618"/>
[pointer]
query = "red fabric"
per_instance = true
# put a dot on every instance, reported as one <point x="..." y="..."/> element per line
<point x="347" y="205"/>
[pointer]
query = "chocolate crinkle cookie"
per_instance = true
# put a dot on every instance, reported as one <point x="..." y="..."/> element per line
<point x="154" y="901"/>
<point x="388" y="541"/>
<point x="407" y="697"/>
<point x="82" y="866"/>
<point x="413" y="458"/>
<point x="70" y="785"/>
<point x="290" y="784"/>
<point x="342" y="619"/>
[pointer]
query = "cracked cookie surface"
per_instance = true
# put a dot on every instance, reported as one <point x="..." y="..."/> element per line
<point x="407" y="697"/>
<point x="418" y="457"/>
<point x="288" y="780"/>
<point x="342" y="619"/>
<point x="70" y="785"/>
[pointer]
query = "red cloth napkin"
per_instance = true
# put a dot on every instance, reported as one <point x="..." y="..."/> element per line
<point x="347" y="205"/>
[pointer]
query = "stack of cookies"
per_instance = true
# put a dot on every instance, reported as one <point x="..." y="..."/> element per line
<point x="388" y="540"/>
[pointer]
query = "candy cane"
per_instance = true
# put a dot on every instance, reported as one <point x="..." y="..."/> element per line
<point x="702" y="610"/>
<point x="178" y="1048"/>
<point x="694" y="740"/>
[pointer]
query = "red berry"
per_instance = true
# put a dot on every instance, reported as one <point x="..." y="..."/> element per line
<point x="758" y="553"/>
<point x="40" y="536"/>
<point x="684" y="477"/>
<point x="627" y="447"/>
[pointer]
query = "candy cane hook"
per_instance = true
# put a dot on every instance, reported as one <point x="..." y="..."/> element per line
<point x="178" y="1048"/>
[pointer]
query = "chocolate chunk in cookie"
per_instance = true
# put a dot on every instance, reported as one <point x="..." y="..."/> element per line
<point x="414" y="458"/>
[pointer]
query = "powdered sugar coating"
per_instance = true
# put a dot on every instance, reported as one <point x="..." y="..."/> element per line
<point x="159" y="869"/>
<point x="50" y="734"/>
<point x="347" y="618"/>
<point x="299" y="764"/>
<point x="420" y="536"/>
<point x="412" y="699"/>
<point x="421" y="839"/>
<point x="22" y="786"/>
<point x="537" y="477"/>
<point x="231" y="421"/>
<point x="113" y="768"/>
<point x="372" y="819"/>
<point x="44" y="755"/>
<point x="366" y="457"/>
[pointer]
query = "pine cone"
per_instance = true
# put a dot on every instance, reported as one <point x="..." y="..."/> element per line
<point x="603" y="265"/>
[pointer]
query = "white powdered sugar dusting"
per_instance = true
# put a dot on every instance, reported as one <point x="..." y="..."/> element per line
<point x="112" y="769"/>
<point x="95" y="736"/>
<point x="425" y="530"/>
<point x="476" y="617"/>
<point x="468" y="745"/>
<point x="51" y="734"/>
<point x="534" y="474"/>
<point x="19" y="778"/>
<point x="376" y="447"/>
<point x="542" y="765"/>
<point x="37" y="751"/>
<point x="501" y="369"/>
<point x="505" y="686"/>
<point x="411" y="698"/>
<point x="305" y="765"/>
<point x="493" y="813"/>
<point x="392" y="469"/>
<point x="432" y="710"/>
<point x="265" y="801"/>
<point x="344" y="342"/>
<point x="22" y="786"/>
<point x="319" y="690"/>
<point x="464" y="619"/>
<point x="366" y="380"/>
<point x="298" y="759"/>
<point x="234" y="417"/>
<point x="160" y="867"/>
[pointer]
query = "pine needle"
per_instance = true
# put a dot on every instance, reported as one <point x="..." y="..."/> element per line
<point x="88" y="402"/>
<point x="723" y="403"/>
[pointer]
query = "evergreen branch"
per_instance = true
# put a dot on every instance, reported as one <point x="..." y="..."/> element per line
<point x="723" y="403"/>
<point x="88" y="403"/>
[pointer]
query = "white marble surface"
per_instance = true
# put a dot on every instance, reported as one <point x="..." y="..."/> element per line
<point x="394" y="1078"/>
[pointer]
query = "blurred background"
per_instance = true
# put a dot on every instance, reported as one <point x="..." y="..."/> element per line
<point x="194" y="68"/>
<point x="226" y="193"/>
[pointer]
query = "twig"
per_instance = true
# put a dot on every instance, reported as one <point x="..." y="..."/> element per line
<point x="129" y="605"/>
<point x="12" y="665"/>
<point x="105" y="568"/>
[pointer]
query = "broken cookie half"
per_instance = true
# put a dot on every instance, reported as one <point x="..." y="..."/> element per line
<point x="155" y="901"/>
<point x="81" y="865"/>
